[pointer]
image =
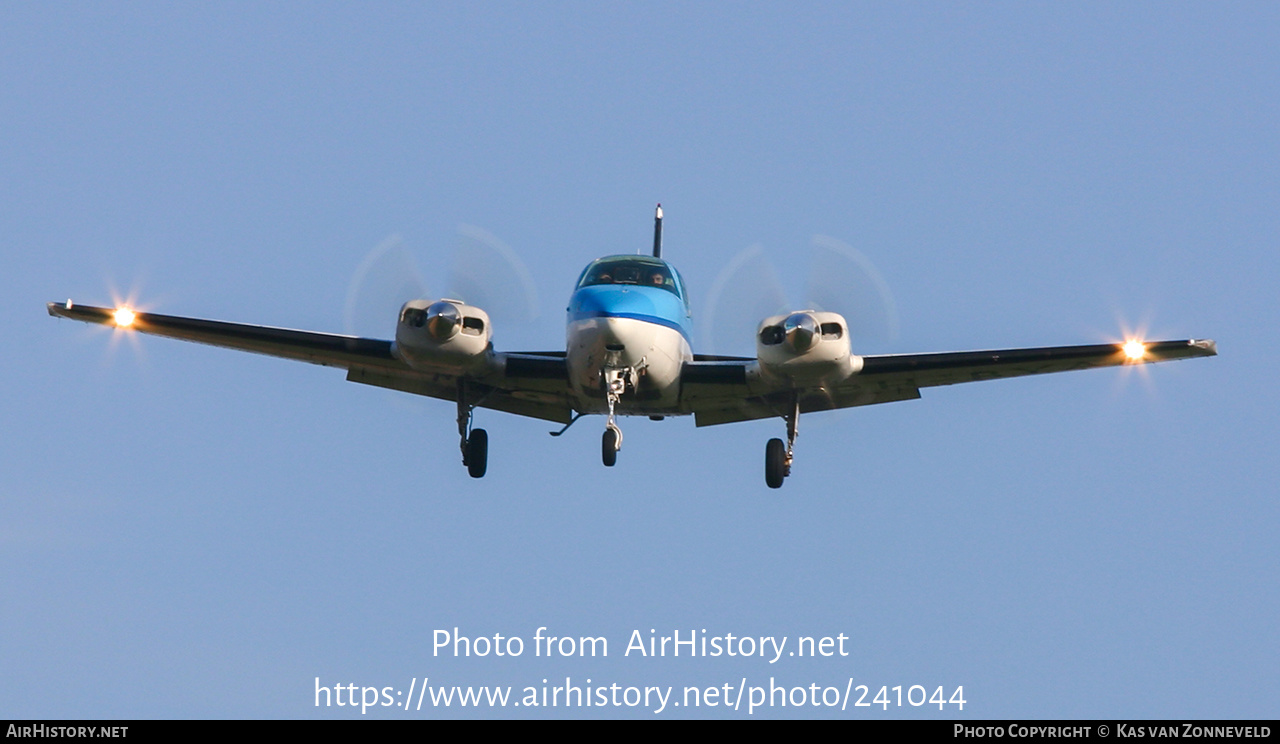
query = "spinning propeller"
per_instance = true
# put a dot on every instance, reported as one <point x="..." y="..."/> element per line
<point x="482" y="271"/>
<point x="841" y="279"/>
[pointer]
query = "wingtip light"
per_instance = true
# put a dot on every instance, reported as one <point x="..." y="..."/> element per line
<point x="123" y="317"/>
<point x="1134" y="350"/>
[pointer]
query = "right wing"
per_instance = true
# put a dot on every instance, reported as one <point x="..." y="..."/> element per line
<point x="528" y="384"/>
<point x="724" y="391"/>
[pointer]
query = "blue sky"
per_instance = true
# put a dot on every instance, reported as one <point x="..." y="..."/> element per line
<point x="193" y="532"/>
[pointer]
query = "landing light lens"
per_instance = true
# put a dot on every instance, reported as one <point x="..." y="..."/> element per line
<point x="124" y="317"/>
<point x="1135" y="350"/>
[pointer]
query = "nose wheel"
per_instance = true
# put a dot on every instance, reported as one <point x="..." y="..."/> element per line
<point x="610" y="444"/>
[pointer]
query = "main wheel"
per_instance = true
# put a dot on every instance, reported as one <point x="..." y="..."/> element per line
<point x="477" y="453"/>
<point x="609" y="447"/>
<point x="775" y="463"/>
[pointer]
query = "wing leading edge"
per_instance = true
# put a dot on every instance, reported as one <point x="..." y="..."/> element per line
<point x="527" y="384"/>
<point x="722" y="392"/>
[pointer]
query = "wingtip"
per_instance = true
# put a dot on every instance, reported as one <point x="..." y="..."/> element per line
<point x="1207" y="345"/>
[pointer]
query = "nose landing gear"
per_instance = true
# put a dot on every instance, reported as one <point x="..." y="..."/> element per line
<point x="615" y="382"/>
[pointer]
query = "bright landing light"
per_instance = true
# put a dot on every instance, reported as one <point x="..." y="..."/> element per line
<point x="123" y="317"/>
<point x="1135" y="350"/>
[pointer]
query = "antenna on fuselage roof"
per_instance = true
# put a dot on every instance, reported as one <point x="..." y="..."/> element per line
<point x="657" y="233"/>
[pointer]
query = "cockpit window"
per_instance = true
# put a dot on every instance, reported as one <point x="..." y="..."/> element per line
<point x="636" y="270"/>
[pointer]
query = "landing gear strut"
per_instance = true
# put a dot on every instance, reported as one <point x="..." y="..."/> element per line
<point x="777" y="456"/>
<point x="475" y="442"/>
<point x="615" y="382"/>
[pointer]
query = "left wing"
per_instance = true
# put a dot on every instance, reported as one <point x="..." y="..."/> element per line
<point x="528" y="384"/>
<point x="721" y="392"/>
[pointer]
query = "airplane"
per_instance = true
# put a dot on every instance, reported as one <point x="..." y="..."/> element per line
<point x="628" y="353"/>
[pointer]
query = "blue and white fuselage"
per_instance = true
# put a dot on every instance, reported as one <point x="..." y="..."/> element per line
<point x="628" y="332"/>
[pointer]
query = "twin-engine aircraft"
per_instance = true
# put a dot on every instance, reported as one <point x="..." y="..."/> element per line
<point x="628" y="353"/>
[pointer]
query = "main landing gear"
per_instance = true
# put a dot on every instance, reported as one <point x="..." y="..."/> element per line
<point x="778" y="456"/>
<point x="475" y="442"/>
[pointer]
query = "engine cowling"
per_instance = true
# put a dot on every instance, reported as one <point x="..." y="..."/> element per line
<point x="806" y="348"/>
<point x="447" y="335"/>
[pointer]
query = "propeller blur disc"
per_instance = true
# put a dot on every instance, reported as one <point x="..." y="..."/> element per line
<point x="746" y="291"/>
<point x="841" y="279"/>
<point x="485" y="272"/>
<point x="387" y="278"/>
<point x="481" y="270"/>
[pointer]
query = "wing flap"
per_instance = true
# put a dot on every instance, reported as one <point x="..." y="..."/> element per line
<point x="724" y="392"/>
<point x="725" y="411"/>
<point x="546" y="405"/>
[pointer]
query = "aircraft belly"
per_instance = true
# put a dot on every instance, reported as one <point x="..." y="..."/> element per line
<point x="656" y="353"/>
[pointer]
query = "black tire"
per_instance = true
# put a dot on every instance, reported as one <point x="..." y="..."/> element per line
<point x="609" y="448"/>
<point x="477" y="453"/>
<point x="775" y="463"/>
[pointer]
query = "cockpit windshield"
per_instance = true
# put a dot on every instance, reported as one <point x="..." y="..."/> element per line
<point x="636" y="270"/>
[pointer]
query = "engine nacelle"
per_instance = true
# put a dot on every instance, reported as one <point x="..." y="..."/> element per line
<point x="447" y="335"/>
<point x="806" y="347"/>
